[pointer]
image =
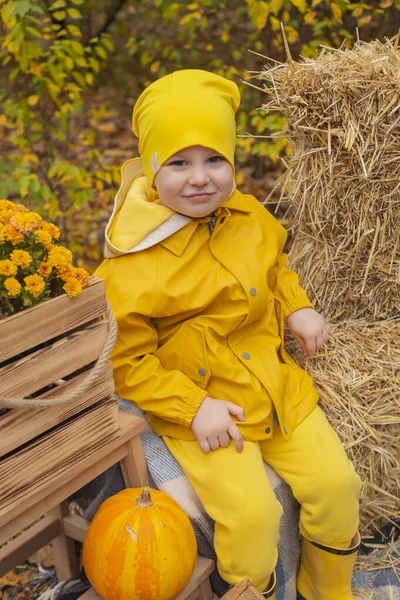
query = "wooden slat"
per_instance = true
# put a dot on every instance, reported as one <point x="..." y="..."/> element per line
<point x="50" y="492"/>
<point x="29" y="542"/>
<point x="204" y="567"/>
<point x="76" y="527"/>
<point x="20" y="426"/>
<point x="52" y="318"/>
<point x="25" y="470"/>
<point x="45" y="366"/>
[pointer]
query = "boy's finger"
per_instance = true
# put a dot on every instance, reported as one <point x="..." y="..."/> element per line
<point x="224" y="440"/>
<point x="213" y="443"/>
<point x="204" y="445"/>
<point x="237" y="437"/>
<point x="235" y="410"/>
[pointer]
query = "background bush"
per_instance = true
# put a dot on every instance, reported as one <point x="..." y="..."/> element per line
<point x="71" y="71"/>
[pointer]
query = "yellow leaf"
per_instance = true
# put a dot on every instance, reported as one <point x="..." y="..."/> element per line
<point x="364" y="20"/>
<point x="337" y="12"/>
<point x="32" y="100"/>
<point x="385" y="3"/>
<point x="101" y="52"/>
<point x="60" y="15"/>
<point x="74" y="13"/>
<point x="69" y="63"/>
<point x="291" y="34"/>
<point x="209" y="47"/>
<point x="275" y="23"/>
<point x="74" y="30"/>
<point x="357" y="12"/>
<point x="224" y="36"/>
<point x="315" y="3"/>
<point x="154" y="67"/>
<point x="239" y="178"/>
<point x="275" y="6"/>
<point x="310" y="18"/>
<point x="258" y="13"/>
<point x="301" y="5"/>
<point x="89" y="78"/>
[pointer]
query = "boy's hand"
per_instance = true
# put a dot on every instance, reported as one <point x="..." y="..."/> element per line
<point x="213" y="426"/>
<point x="309" y="328"/>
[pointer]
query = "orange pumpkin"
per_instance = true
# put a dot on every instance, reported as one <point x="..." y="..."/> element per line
<point x="139" y="547"/>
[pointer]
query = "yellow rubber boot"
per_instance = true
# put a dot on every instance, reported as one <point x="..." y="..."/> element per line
<point x="325" y="573"/>
<point x="271" y="591"/>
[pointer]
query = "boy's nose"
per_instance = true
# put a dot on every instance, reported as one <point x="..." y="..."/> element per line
<point x="199" y="177"/>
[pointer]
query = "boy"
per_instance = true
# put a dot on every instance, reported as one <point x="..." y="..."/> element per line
<point x="199" y="286"/>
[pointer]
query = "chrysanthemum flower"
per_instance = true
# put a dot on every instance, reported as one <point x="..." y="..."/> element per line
<point x="8" y="268"/>
<point x="6" y="214"/>
<point x="21" y="258"/>
<point x="82" y="276"/>
<point x="6" y="204"/>
<point x="12" y="286"/>
<point x="52" y="229"/>
<point x="44" y="269"/>
<point x="34" y="284"/>
<point x="13" y="235"/>
<point x="60" y="258"/>
<point x="2" y="234"/>
<point x="43" y="237"/>
<point x="72" y="287"/>
<point x="26" y="222"/>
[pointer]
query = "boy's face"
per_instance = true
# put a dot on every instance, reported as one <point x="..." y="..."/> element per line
<point x="195" y="181"/>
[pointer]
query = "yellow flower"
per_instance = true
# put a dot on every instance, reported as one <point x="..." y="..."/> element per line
<point x="72" y="287"/>
<point x="6" y="204"/>
<point x="34" y="284"/>
<point x="7" y="267"/>
<point x="2" y="234"/>
<point x="66" y="272"/>
<point x="60" y="258"/>
<point x="26" y="221"/>
<point x="43" y="237"/>
<point x="5" y="215"/>
<point x="13" y="235"/>
<point x="51" y="229"/>
<point x="82" y="276"/>
<point x="21" y="258"/>
<point x="12" y="286"/>
<point x="44" y="269"/>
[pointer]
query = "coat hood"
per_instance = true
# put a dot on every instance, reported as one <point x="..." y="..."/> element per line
<point x="138" y="220"/>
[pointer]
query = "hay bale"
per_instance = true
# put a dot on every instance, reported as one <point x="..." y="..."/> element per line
<point x="358" y="379"/>
<point x="343" y="113"/>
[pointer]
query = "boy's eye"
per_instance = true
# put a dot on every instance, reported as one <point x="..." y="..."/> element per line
<point x="177" y="163"/>
<point x="215" y="159"/>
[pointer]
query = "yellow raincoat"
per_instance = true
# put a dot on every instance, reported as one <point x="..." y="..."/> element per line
<point x="202" y="313"/>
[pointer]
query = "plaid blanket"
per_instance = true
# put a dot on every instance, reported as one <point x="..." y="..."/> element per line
<point x="165" y="474"/>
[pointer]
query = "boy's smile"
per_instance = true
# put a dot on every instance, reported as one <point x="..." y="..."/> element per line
<point x="194" y="181"/>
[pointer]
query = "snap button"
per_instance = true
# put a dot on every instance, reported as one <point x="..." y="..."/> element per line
<point x="155" y="325"/>
<point x="246" y="355"/>
<point x="285" y="430"/>
<point x="268" y="430"/>
<point x="202" y="372"/>
<point x="222" y="220"/>
<point x="253" y="291"/>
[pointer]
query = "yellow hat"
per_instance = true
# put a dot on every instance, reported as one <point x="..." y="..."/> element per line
<point x="186" y="108"/>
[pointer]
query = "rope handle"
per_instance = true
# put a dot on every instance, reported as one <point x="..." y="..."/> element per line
<point x="82" y="387"/>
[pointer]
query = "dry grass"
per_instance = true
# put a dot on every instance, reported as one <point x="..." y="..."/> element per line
<point x="358" y="379"/>
<point x="343" y="113"/>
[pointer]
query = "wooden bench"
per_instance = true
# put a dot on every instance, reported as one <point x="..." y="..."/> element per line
<point x="49" y="503"/>
<point x="198" y="588"/>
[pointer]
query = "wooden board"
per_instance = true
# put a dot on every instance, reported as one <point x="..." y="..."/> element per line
<point x="52" y="318"/>
<point x="28" y="468"/>
<point x="243" y="591"/>
<point x="21" y="426"/>
<point x="45" y="366"/>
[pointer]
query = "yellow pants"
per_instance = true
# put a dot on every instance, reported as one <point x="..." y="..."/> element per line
<point x="236" y="493"/>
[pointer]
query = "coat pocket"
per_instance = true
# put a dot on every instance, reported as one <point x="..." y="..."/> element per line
<point x="195" y="356"/>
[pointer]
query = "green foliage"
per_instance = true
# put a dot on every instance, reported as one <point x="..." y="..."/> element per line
<point x="57" y="56"/>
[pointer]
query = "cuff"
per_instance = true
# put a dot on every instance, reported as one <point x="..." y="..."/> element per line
<point x="191" y="406"/>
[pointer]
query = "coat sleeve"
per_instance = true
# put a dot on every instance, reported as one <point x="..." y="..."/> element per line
<point x="284" y="282"/>
<point x="139" y="375"/>
<point x="286" y="288"/>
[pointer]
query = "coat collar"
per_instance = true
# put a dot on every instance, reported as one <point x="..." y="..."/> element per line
<point x="177" y="242"/>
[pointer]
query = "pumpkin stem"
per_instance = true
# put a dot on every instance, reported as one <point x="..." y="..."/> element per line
<point x="144" y="500"/>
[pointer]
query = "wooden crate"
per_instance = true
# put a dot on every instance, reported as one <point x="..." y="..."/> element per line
<point x="45" y="351"/>
<point x="243" y="591"/>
